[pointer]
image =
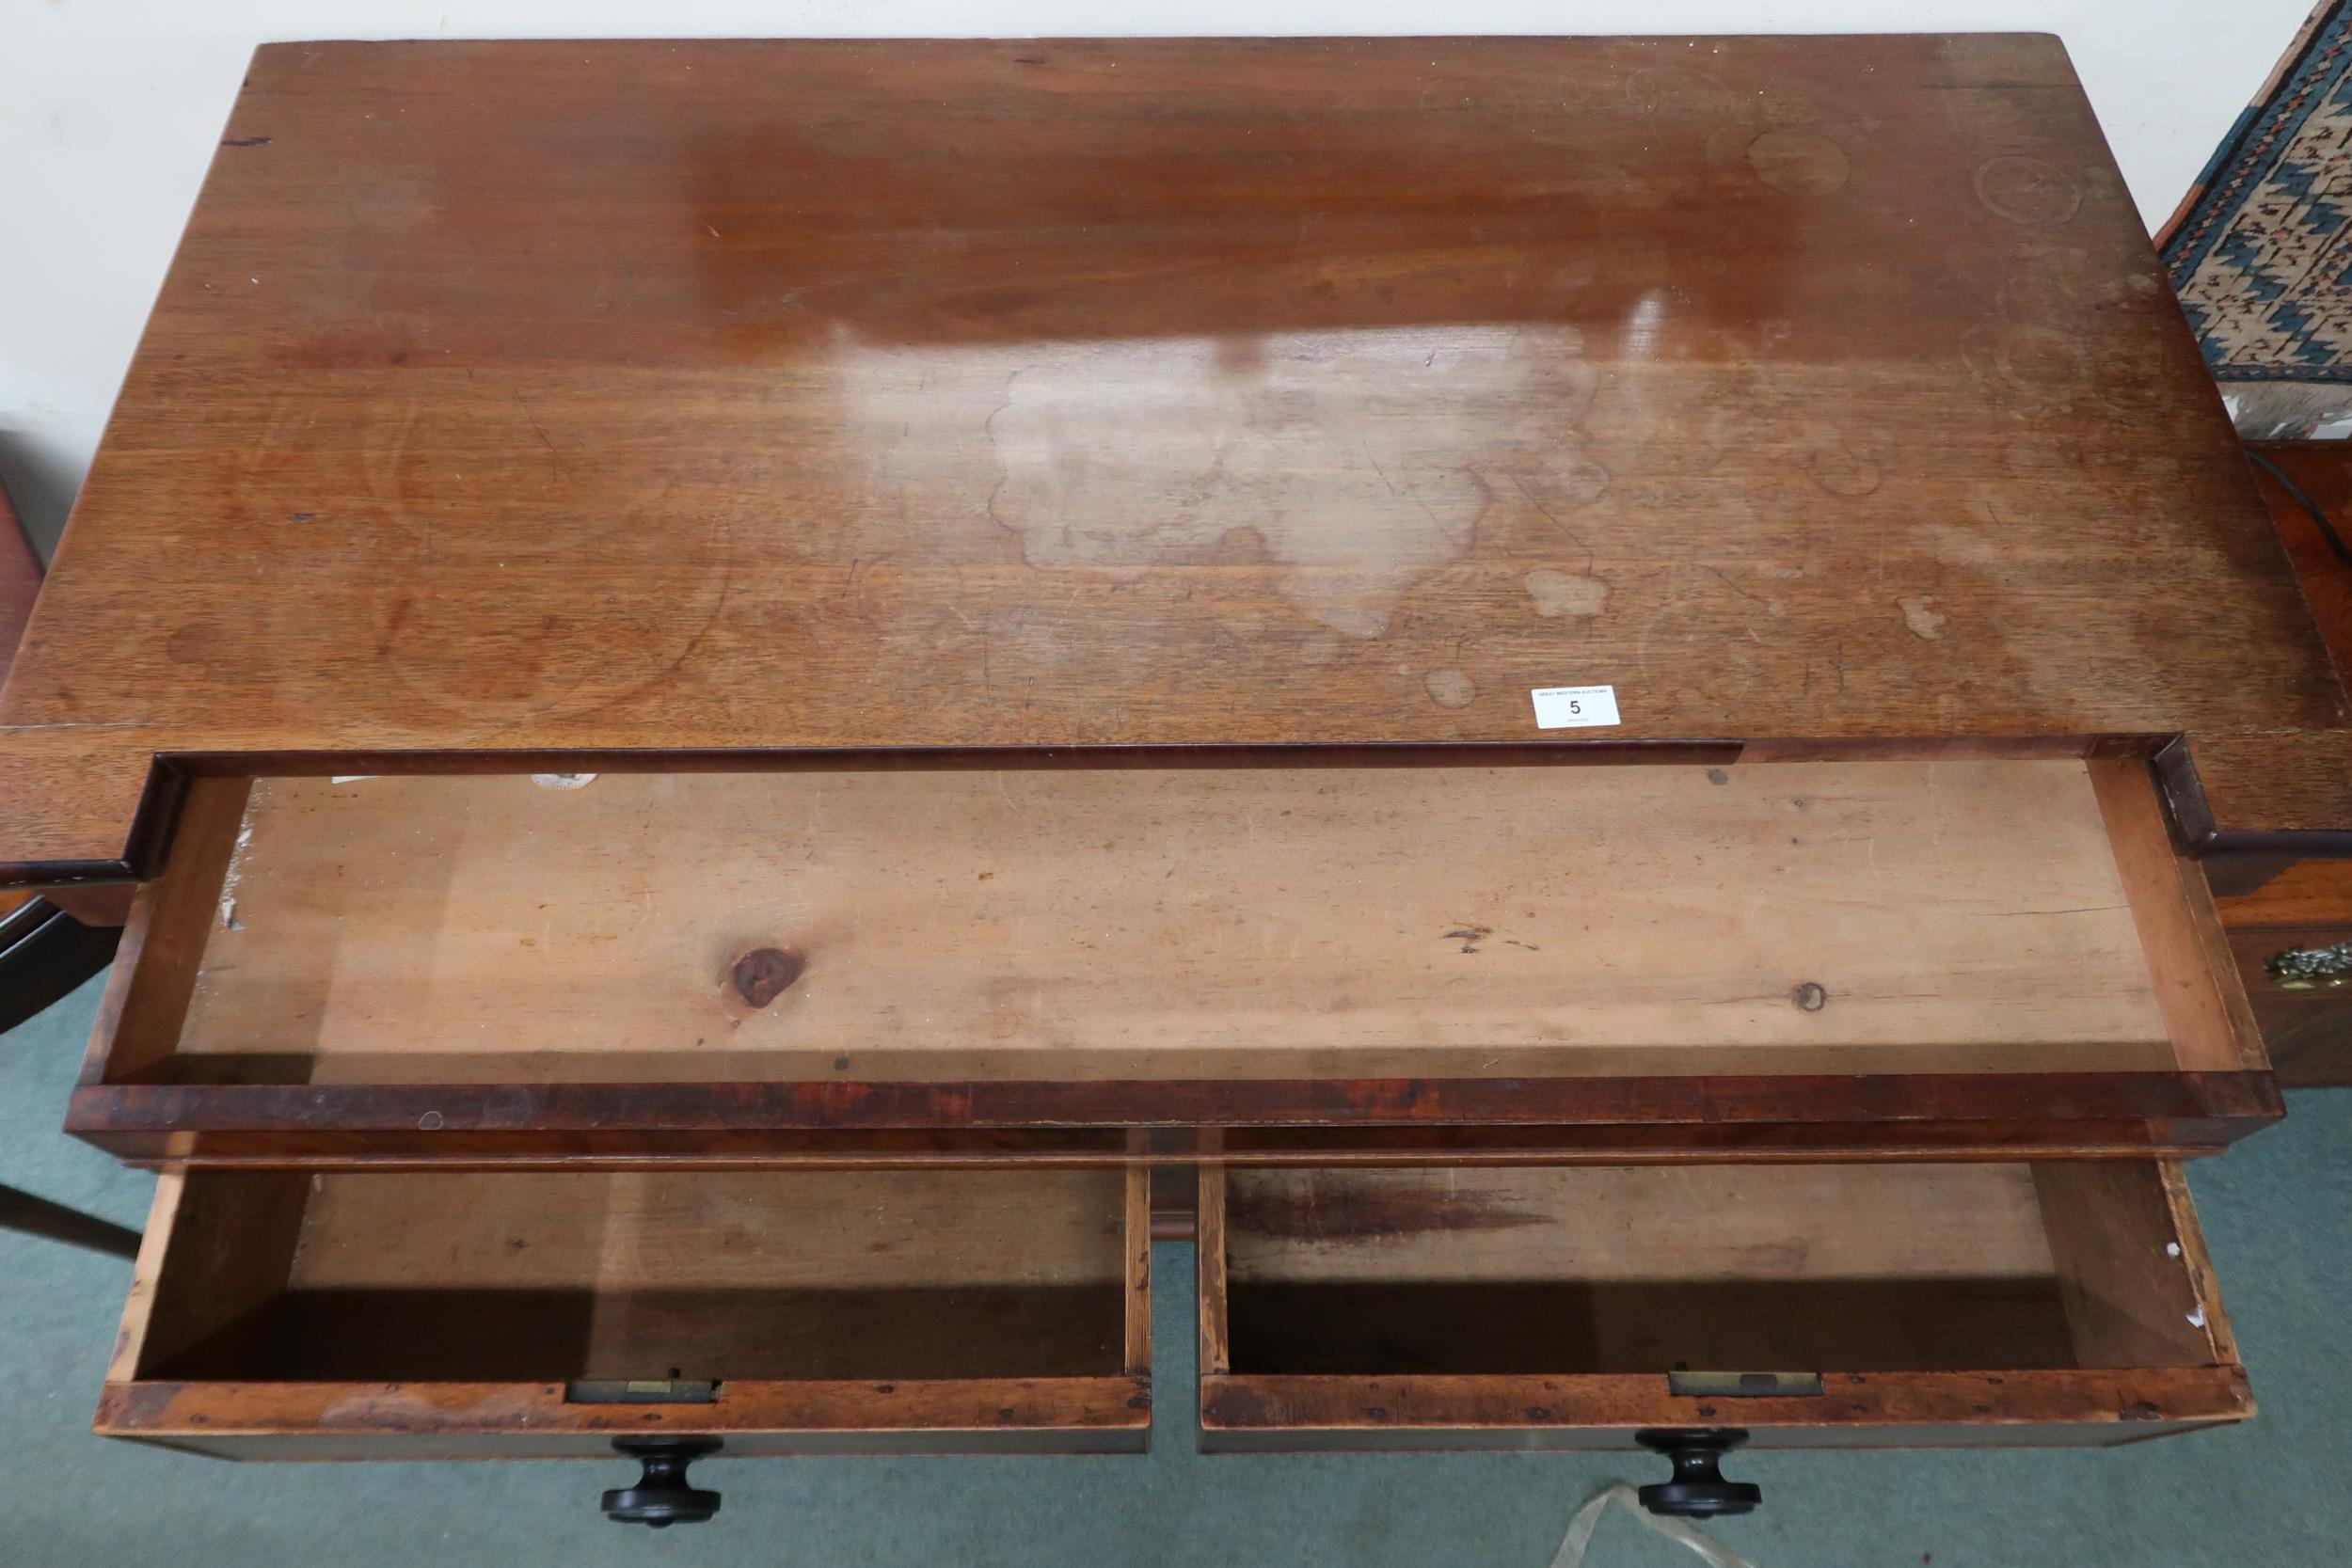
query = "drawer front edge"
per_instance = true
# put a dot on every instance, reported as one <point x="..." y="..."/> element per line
<point x="2060" y="1408"/>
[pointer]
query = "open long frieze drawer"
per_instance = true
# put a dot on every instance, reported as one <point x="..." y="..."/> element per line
<point x="1109" y="963"/>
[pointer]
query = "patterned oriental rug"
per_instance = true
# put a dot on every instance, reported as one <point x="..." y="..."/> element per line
<point x="2261" y="251"/>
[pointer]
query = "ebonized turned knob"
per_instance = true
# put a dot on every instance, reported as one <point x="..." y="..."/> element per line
<point x="661" y="1497"/>
<point x="1698" y="1490"/>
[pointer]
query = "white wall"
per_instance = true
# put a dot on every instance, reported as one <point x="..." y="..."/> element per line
<point x="109" y="111"/>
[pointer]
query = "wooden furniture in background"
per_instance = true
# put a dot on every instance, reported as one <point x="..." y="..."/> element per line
<point x="44" y="951"/>
<point x="24" y="925"/>
<point x="2307" y="906"/>
<point x="20" y="582"/>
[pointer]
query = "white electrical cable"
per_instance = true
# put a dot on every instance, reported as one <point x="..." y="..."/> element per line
<point x="1587" y="1518"/>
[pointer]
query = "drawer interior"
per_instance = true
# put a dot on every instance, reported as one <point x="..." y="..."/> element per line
<point x="1156" y="923"/>
<point x="1606" y="1270"/>
<point x="274" y="1277"/>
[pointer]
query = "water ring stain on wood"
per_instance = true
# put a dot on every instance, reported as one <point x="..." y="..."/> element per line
<point x="763" y="974"/>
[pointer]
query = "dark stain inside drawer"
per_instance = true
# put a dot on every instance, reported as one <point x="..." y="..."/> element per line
<point x="1594" y="1270"/>
<point x="1808" y="1325"/>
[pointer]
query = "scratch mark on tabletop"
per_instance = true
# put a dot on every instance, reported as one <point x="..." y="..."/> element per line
<point x="81" y="724"/>
<point x="1552" y="517"/>
<point x="2081" y="909"/>
<point x="537" y="429"/>
<point x="1724" y="577"/>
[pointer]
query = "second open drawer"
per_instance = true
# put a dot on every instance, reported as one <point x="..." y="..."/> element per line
<point x="2051" y="1303"/>
<point x="290" y="1314"/>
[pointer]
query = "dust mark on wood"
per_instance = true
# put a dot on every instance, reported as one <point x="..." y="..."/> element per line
<point x="1557" y="592"/>
<point x="1449" y="687"/>
<point x="1924" y="624"/>
<point x="1470" y="936"/>
<point x="1387" y="477"/>
<point x="1360" y="1211"/>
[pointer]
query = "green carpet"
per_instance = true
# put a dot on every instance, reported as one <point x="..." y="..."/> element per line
<point x="2278" y="1212"/>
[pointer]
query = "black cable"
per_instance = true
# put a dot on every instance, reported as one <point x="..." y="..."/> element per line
<point x="2295" y="494"/>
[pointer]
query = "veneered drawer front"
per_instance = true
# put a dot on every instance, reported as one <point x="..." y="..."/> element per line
<point x="2306" y="1012"/>
<point x="2306" y="1026"/>
<point x="1808" y="1305"/>
<point x="1772" y="958"/>
<point x="428" y="1315"/>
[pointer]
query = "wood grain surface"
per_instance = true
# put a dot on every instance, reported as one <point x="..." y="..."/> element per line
<point x="2015" y="1408"/>
<point x="297" y="1315"/>
<point x="288" y="1277"/>
<point x="1999" y="1303"/>
<point x="1824" y="1268"/>
<point x="1251" y="923"/>
<point x="1804" y="1116"/>
<point x="2307" y="903"/>
<point x="343" y="896"/>
<point x="2131" y="1265"/>
<point x="1756" y="1224"/>
<point x="662" y="395"/>
<point x="757" y="1418"/>
<point x="20" y="583"/>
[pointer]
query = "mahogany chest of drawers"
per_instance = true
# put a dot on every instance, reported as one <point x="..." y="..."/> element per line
<point x="1571" y="698"/>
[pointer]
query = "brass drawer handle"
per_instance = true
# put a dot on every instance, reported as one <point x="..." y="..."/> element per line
<point x="1742" y="1385"/>
<point x="2311" y="968"/>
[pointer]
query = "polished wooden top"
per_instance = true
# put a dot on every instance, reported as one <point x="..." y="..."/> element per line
<point x="654" y="395"/>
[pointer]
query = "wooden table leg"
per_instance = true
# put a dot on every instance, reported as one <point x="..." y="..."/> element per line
<point x="38" y="1216"/>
